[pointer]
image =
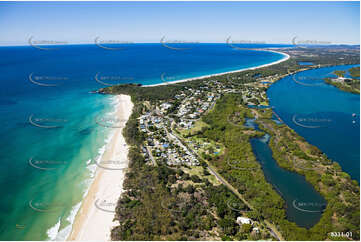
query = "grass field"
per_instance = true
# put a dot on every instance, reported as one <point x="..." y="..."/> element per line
<point x="199" y="171"/>
<point x="198" y="125"/>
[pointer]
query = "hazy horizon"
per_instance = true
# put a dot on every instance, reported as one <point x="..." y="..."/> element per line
<point x="204" y="22"/>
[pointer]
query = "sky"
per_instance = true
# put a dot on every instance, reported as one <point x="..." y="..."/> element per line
<point x="273" y="22"/>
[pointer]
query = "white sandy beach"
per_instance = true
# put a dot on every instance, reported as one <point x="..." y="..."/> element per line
<point x="227" y="72"/>
<point x="94" y="219"/>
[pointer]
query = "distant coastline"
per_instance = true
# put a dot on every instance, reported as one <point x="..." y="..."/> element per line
<point x="286" y="57"/>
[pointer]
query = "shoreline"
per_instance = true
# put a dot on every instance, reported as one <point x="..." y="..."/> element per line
<point x="286" y="57"/>
<point x="94" y="219"/>
<point x="91" y="221"/>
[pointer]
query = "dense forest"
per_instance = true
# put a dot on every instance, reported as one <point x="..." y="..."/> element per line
<point x="338" y="216"/>
<point x="164" y="203"/>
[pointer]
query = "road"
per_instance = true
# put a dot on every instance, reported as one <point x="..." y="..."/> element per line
<point x="271" y="226"/>
<point x="151" y="156"/>
<point x="273" y="230"/>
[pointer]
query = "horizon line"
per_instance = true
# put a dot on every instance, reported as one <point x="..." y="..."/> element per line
<point x="65" y="43"/>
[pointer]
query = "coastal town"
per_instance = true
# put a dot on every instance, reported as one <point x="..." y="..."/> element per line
<point x="169" y="126"/>
<point x="165" y="122"/>
<point x="182" y="130"/>
<point x="180" y="120"/>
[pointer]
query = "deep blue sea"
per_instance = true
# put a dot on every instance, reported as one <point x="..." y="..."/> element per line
<point x="324" y="115"/>
<point x="47" y="120"/>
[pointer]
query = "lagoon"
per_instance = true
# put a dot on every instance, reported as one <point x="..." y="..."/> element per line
<point x="304" y="205"/>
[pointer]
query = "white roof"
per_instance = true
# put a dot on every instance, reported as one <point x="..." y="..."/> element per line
<point x="244" y="220"/>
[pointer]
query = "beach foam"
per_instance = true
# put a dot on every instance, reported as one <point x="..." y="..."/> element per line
<point x="53" y="231"/>
<point x="60" y="235"/>
<point x="64" y="233"/>
<point x="92" y="223"/>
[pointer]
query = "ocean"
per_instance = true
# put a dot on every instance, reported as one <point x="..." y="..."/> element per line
<point x="50" y="139"/>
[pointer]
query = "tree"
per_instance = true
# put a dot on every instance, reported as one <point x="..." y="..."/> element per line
<point x="246" y="228"/>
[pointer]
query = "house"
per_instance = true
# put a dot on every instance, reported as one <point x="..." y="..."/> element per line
<point x="244" y="220"/>
<point x="165" y="106"/>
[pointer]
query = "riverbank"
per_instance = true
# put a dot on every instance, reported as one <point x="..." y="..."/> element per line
<point x="94" y="220"/>
<point x="336" y="114"/>
<point x="286" y="57"/>
<point x="343" y="86"/>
